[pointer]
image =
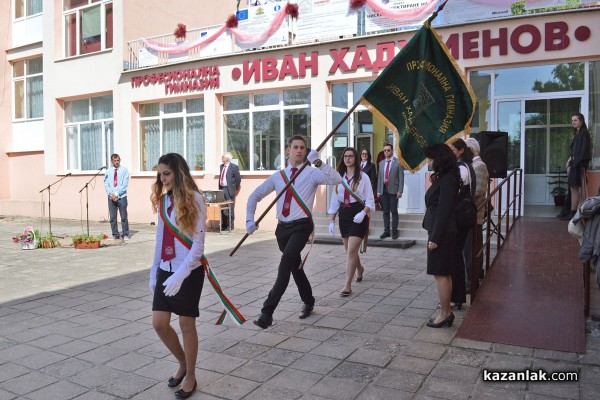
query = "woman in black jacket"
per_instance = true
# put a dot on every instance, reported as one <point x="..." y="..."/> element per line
<point x="367" y="166"/>
<point x="578" y="162"/>
<point x="440" y="223"/>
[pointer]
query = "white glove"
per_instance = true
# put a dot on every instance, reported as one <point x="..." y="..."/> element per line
<point x="332" y="227"/>
<point x="313" y="156"/>
<point x="152" y="284"/>
<point x="251" y="227"/>
<point x="174" y="282"/>
<point x="358" y="218"/>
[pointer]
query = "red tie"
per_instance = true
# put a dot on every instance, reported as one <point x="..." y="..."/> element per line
<point x="287" y="201"/>
<point x="115" y="180"/>
<point x="386" y="177"/>
<point x="362" y="166"/>
<point x="347" y="193"/>
<point x="168" y="240"/>
<point x="223" y="176"/>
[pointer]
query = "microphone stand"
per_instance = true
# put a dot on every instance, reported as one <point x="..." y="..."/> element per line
<point x="49" y="214"/>
<point x="87" y="207"/>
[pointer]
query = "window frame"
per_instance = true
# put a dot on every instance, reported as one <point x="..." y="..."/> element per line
<point x="78" y="40"/>
<point x="27" y="9"/>
<point x="184" y="114"/>
<point x="24" y="79"/>
<point x="107" y="134"/>
<point x="251" y="110"/>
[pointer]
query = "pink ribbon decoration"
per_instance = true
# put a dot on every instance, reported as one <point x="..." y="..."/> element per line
<point x="183" y="47"/>
<point x="405" y="15"/>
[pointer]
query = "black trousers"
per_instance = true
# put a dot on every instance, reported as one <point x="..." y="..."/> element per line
<point x="457" y="269"/>
<point x="389" y="204"/>
<point x="467" y="253"/>
<point x="291" y="238"/>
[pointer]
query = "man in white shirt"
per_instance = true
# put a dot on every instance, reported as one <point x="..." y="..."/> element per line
<point x="229" y="183"/>
<point x="116" y="180"/>
<point x="294" y="212"/>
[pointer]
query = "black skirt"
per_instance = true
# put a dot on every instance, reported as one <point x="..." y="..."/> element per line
<point x="347" y="226"/>
<point x="186" y="302"/>
<point x="575" y="176"/>
<point x="441" y="260"/>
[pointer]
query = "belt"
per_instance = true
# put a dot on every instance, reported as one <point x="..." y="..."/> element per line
<point x="295" y="222"/>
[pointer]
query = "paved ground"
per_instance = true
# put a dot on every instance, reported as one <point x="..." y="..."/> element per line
<point x="76" y="324"/>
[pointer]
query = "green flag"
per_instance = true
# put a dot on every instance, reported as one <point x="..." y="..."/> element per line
<point x="422" y="96"/>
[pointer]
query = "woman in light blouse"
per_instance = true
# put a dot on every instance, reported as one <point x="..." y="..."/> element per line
<point x="176" y="276"/>
<point x="354" y="213"/>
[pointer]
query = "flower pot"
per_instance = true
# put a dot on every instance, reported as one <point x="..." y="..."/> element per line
<point x="30" y="245"/>
<point x="559" y="201"/>
<point x="87" y="245"/>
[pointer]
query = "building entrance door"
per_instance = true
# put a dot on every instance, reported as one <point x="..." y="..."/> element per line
<point x="539" y="136"/>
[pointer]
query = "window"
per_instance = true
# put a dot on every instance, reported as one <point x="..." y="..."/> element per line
<point x="172" y="127"/>
<point x="28" y="88"/>
<point x="89" y="133"/>
<point x="88" y="26"/>
<point x="27" y="8"/>
<point x="263" y="122"/>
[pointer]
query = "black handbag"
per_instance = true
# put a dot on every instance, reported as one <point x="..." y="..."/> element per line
<point x="466" y="210"/>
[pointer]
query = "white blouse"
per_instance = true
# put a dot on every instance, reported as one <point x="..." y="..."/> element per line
<point x="364" y="191"/>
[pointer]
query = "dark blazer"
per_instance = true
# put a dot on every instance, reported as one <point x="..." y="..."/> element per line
<point x="581" y="149"/>
<point x="371" y="171"/>
<point x="440" y="200"/>
<point x="233" y="180"/>
<point x="396" y="177"/>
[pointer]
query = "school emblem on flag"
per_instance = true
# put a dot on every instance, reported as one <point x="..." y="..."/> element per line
<point x="422" y="96"/>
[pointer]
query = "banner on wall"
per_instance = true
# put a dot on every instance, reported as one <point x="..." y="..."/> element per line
<point x="258" y="19"/>
<point x="221" y="45"/>
<point x="319" y="19"/>
<point x="461" y="11"/>
<point x="375" y="22"/>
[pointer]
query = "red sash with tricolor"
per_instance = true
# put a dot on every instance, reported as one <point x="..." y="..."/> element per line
<point x="228" y="307"/>
<point x="304" y="208"/>
<point x="365" y="241"/>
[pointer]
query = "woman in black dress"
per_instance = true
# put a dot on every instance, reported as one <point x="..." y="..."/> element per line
<point x="440" y="223"/>
<point x="579" y="160"/>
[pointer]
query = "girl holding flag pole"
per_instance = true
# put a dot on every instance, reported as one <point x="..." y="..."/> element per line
<point x="177" y="275"/>
<point x="353" y="200"/>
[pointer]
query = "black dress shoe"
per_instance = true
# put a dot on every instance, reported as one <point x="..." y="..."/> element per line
<point x="448" y="320"/>
<point x="182" y="394"/>
<point x="384" y="235"/>
<point x="306" y="309"/>
<point x="569" y="216"/>
<point x="263" y="322"/>
<point x="395" y="235"/>
<point x="174" y="382"/>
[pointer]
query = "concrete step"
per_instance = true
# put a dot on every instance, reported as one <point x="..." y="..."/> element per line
<point x="409" y="228"/>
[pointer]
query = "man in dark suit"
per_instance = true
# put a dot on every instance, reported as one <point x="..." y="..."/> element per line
<point x="229" y="183"/>
<point x="390" y="184"/>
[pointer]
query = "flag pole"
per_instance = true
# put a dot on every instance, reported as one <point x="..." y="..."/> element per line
<point x="293" y="178"/>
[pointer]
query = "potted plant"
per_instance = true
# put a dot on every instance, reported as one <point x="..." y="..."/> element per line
<point x="558" y="189"/>
<point x="85" y="241"/>
<point x="48" y="241"/>
<point x="28" y="239"/>
<point x="199" y="162"/>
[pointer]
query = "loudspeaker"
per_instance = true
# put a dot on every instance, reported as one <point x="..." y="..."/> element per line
<point x="494" y="152"/>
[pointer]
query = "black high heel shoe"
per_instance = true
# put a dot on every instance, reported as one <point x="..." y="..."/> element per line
<point x="174" y="382"/>
<point x="362" y="271"/>
<point x="448" y="320"/>
<point x="182" y="394"/>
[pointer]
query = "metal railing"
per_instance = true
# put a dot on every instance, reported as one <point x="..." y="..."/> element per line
<point x="503" y="220"/>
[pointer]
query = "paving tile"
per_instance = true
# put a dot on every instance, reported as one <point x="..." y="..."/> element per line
<point x="266" y="392"/>
<point x="40" y="359"/>
<point x="257" y="371"/>
<point x="28" y="383"/>
<point x="315" y="363"/>
<point x="337" y="388"/>
<point x="230" y="387"/>
<point x="445" y="389"/>
<point x="279" y="357"/>
<point x="373" y="392"/>
<point x="373" y="357"/>
<point x="246" y="350"/>
<point x="424" y="350"/>
<point x="400" y="380"/>
<point x="456" y="372"/>
<point x="66" y="368"/>
<point x="126" y="385"/>
<point x="296" y="380"/>
<point x="59" y="390"/>
<point x="333" y="350"/>
<point x="9" y="371"/>
<point x="130" y="362"/>
<point x="356" y="371"/>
